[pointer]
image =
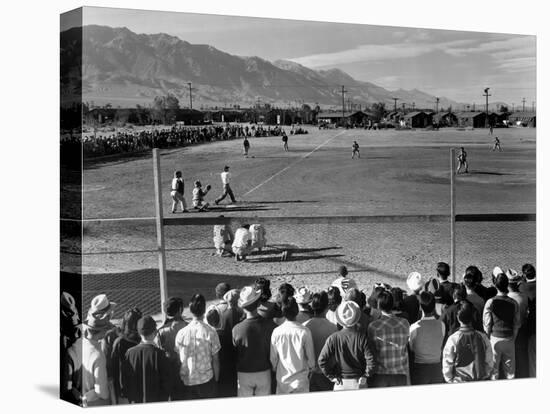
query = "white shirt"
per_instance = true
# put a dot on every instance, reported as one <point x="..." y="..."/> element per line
<point x="292" y="355"/>
<point x="225" y="177"/>
<point x="242" y="236"/>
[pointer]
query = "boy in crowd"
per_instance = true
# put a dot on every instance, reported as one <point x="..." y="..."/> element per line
<point x="467" y="355"/>
<point x="425" y="343"/>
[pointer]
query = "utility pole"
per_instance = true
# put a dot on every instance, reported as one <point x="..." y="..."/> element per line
<point x="343" y="104"/>
<point x="413" y="105"/>
<point x="395" y="104"/>
<point x="190" y="96"/>
<point x="436" y="105"/>
<point x="513" y="107"/>
<point x="486" y="90"/>
<point x="403" y="106"/>
<point x="523" y="101"/>
<point x="474" y="107"/>
<point x="533" y="106"/>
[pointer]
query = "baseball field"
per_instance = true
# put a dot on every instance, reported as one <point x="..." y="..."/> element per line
<point x="399" y="172"/>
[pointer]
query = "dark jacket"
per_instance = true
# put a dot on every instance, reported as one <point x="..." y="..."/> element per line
<point x="346" y="355"/>
<point x="146" y="374"/>
<point x="450" y="319"/>
<point x="118" y="356"/>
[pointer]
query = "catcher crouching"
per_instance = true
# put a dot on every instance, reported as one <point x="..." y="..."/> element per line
<point x="198" y="196"/>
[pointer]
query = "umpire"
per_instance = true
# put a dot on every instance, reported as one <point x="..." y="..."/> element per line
<point x="227" y="191"/>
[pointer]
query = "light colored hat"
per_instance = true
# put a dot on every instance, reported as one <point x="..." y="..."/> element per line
<point x="414" y="281"/>
<point x="497" y="271"/>
<point x="100" y="306"/>
<point x="348" y="313"/>
<point x="513" y="276"/>
<point x="248" y="295"/>
<point x="231" y="296"/>
<point x="303" y="295"/>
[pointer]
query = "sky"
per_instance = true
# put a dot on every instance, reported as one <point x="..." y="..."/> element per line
<point x="454" y="64"/>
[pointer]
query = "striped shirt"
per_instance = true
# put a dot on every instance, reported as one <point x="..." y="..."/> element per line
<point x="388" y="337"/>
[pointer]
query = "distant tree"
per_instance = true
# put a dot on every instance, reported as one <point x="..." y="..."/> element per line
<point x="166" y="106"/>
<point x="450" y="108"/>
<point x="503" y="108"/>
<point x="378" y="111"/>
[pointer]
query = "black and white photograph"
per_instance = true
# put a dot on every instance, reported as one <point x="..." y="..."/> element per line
<point x="337" y="207"/>
<point x="229" y="203"/>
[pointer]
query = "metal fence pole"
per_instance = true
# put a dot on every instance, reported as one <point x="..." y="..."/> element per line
<point x="453" y="230"/>
<point x="160" y="228"/>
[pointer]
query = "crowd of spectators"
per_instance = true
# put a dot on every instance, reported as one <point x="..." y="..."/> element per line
<point x="250" y="343"/>
<point x="128" y="141"/>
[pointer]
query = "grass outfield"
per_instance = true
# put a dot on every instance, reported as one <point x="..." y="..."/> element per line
<point x="400" y="172"/>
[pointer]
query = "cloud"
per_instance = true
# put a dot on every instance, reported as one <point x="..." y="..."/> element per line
<point x="378" y="52"/>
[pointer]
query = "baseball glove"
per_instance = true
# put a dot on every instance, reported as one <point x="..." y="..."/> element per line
<point x="208" y="187"/>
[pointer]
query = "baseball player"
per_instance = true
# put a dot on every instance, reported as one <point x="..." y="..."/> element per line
<point x="355" y="150"/>
<point x="497" y="144"/>
<point x="462" y="162"/>
<point x="177" y="193"/>
<point x="285" y="141"/>
<point x="198" y="196"/>
<point x="246" y="146"/>
<point x="227" y="191"/>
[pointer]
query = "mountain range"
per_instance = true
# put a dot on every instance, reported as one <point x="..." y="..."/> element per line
<point x="124" y="68"/>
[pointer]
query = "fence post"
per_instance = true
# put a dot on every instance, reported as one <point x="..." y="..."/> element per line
<point x="453" y="236"/>
<point x="160" y="228"/>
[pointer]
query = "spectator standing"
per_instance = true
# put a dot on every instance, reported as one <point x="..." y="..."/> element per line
<point x="445" y="286"/>
<point x="449" y="316"/>
<point x="320" y="329"/>
<point x="471" y="295"/>
<point x="129" y="338"/>
<point x="292" y="354"/>
<point x="95" y="383"/>
<point x="266" y="308"/>
<point x="303" y="299"/>
<point x="388" y="337"/>
<point x="166" y="340"/>
<point x="365" y="318"/>
<point x="198" y="347"/>
<point x="529" y="288"/>
<point x="334" y="299"/>
<point x="227" y="191"/>
<point x="425" y="344"/>
<point x="70" y="349"/>
<point x="501" y="319"/>
<point x="411" y="304"/>
<point x="521" y="344"/>
<point x="467" y="355"/>
<point x="346" y="358"/>
<point x="483" y="291"/>
<point x="252" y="340"/>
<point x="145" y="372"/>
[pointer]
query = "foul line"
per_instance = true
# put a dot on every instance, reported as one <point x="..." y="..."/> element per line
<point x="108" y="219"/>
<point x="292" y="164"/>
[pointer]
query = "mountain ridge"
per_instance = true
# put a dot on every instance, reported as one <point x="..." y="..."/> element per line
<point x="124" y="67"/>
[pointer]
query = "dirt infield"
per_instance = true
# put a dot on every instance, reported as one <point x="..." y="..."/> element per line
<point x="400" y="172"/>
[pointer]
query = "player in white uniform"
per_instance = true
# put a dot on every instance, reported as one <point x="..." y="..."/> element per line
<point x="227" y="191"/>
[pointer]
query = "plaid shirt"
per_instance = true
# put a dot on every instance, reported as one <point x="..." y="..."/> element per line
<point x="388" y="337"/>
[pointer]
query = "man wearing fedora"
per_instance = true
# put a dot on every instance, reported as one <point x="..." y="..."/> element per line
<point x="303" y="299"/>
<point x="346" y="358"/>
<point x="388" y="338"/>
<point x="95" y="382"/>
<point x="292" y="355"/>
<point x="501" y="321"/>
<point x="321" y="328"/>
<point x="252" y="339"/>
<point x="146" y="373"/>
<point x="425" y="344"/>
